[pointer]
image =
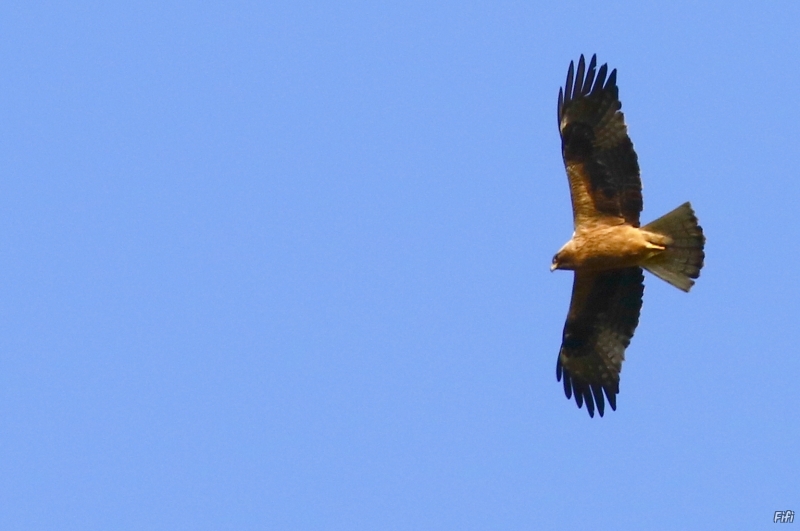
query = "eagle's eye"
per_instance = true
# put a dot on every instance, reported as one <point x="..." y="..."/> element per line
<point x="555" y="259"/>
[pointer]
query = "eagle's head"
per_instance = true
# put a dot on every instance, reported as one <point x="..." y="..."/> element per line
<point x="564" y="258"/>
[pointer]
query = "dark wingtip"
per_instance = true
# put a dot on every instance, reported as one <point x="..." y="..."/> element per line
<point x="583" y="80"/>
<point x="587" y="395"/>
<point x="612" y="79"/>
<point x="612" y="399"/>
<point x="597" y="391"/>
<point x="579" y="78"/>
<point x="590" y="71"/>
<point x="560" y="104"/>
<point x="590" y="394"/>
<point x="601" y="79"/>
<point x="568" y="84"/>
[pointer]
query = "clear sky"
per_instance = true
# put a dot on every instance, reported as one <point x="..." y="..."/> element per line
<point x="285" y="265"/>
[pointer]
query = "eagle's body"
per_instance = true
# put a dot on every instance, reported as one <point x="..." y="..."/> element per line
<point x="609" y="248"/>
<point x="605" y="245"/>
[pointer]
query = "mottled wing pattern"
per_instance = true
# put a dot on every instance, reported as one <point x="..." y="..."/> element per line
<point x="603" y="315"/>
<point x="601" y="164"/>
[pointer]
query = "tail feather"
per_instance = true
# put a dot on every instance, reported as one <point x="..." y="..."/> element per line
<point x="683" y="258"/>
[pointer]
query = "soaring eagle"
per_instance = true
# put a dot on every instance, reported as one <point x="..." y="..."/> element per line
<point x="609" y="248"/>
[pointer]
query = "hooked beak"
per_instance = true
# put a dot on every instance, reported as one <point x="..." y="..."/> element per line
<point x="553" y="267"/>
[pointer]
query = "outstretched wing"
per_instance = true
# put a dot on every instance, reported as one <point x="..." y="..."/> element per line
<point x="602" y="317"/>
<point x="602" y="166"/>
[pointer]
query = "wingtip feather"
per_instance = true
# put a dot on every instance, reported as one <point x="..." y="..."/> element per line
<point x="612" y="79"/>
<point x="601" y="79"/>
<point x="568" y="84"/>
<point x="587" y="395"/>
<point x="612" y="400"/>
<point x="567" y="385"/>
<point x="590" y="72"/>
<point x="597" y="391"/>
<point x="579" y="78"/>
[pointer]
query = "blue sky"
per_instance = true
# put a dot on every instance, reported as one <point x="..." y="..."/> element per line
<point x="286" y="266"/>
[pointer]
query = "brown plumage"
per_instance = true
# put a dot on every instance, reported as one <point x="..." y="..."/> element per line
<point x="608" y="248"/>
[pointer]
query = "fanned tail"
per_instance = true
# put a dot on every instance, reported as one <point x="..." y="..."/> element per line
<point x="683" y="258"/>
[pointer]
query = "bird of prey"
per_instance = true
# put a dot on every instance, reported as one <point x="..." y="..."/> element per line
<point x="609" y="248"/>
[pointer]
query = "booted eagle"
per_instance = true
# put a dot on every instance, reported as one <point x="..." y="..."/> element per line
<point x="609" y="248"/>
